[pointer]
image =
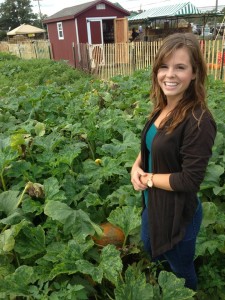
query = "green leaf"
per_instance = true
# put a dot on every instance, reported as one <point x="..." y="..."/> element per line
<point x="30" y="241"/>
<point x="14" y="218"/>
<point x="70" y="152"/>
<point x="85" y="267"/>
<point x="70" y="261"/>
<point x="134" y="286"/>
<point x="6" y="267"/>
<point x="173" y="288"/>
<point x="7" y="155"/>
<point x="52" y="190"/>
<point x="210" y="211"/>
<point x="219" y="190"/>
<point x="212" y="176"/>
<point x="18" y="282"/>
<point x="32" y="206"/>
<point x="49" y="142"/>
<point x="7" y="237"/>
<point x="70" y="292"/>
<point x="17" y="140"/>
<point x="208" y="243"/>
<point x="40" y="129"/>
<point x="58" y="211"/>
<point x="125" y="195"/>
<point x="127" y="218"/>
<point x="111" y="263"/>
<point x="9" y="201"/>
<point x="7" y="241"/>
<point x="93" y="199"/>
<point x="76" y="222"/>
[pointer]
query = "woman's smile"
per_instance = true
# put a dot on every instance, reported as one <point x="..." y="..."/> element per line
<point x="170" y="84"/>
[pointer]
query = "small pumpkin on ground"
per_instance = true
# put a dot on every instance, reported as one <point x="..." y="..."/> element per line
<point x="111" y="235"/>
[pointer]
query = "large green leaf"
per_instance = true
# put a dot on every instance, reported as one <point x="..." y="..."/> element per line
<point x="30" y="241"/>
<point x="18" y="282"/>
<point x="111" y="263"/>
<point x="76" y="222"/>
<point x="70" y="260"/>
<point x="134" y="286"/>
<point x="208" y="242"/>
<point x="125" y="195"/>
<point x="70" y="152"/>
<point x="127" y="218"/>
<point x="48" y="142"/>
<point x="173" y="288"/>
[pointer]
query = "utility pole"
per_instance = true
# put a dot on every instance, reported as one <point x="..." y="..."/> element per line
<point x="39" y="7"/>
<point x="40" y="14"/>
<point x="215" y="20"/>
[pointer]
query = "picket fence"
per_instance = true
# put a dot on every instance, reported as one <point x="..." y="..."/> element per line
<point x="109" y="60"/>
<point x="123" y="59"/>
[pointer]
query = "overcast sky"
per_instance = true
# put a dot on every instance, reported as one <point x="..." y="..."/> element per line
<point x="49" y="7"/>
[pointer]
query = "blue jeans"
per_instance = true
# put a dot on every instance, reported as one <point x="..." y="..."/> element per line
<point x="181" y="256"/>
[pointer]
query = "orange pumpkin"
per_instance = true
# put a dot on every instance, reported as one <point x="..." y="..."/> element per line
<point x="216" y="66"/>
<point x="111" y="235"/>
<point x="213" y="66"/>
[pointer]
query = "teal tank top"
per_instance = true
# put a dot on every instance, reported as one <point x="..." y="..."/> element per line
<point x="148" y="140"/>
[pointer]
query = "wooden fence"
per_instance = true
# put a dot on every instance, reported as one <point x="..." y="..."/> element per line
<point x="124" y="59"/>
<point x="28" y="49"/>
<point x="108" y="60"/>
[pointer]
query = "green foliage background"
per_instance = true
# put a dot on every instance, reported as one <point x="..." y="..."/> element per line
<point x="67" y="143"/>
<point x="13" y="13"/>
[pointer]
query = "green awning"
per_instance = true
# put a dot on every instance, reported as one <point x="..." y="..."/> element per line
<point x="181" y="9"/>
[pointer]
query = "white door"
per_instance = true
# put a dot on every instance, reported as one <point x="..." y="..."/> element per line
<point x="95" y="41"/>
<point x="94" y="31"/>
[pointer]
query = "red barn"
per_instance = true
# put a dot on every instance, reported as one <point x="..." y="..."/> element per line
<point x="93" y="23"/>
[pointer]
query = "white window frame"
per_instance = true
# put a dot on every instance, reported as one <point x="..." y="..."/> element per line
<point x="60" y="30"/>
<point x="100" y="6"/>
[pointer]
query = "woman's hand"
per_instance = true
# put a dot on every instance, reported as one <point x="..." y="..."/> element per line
<point x="136" y="173"/>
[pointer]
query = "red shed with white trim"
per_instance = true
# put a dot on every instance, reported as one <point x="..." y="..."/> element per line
<point x="93" y="23"/>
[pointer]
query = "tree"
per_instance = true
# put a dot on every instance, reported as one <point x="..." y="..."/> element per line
<point x="16" y="12"/>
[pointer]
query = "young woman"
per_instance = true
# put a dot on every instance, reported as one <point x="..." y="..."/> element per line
<point x="176" y="145"/>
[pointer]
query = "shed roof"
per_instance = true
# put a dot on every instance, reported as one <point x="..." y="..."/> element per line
<point x="25" y="29"/>
<point x="180" y="9"/>
<point x="74" y="11"/>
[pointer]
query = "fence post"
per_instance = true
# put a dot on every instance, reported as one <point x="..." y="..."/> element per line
<point x="19" y="51"/>
<point x="74" y="54"/>
<point x="222" y="62"/>
<point x="133" y="56"/>
<point x="35" y="49"/>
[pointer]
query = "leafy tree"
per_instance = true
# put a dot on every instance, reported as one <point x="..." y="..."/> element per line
<point x="16" y="12"/>
<point x="38" y="21"/>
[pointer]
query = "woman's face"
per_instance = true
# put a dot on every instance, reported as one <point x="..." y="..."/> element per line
<point x="175" y="74"/>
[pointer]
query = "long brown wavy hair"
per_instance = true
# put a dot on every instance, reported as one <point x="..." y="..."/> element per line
<point x="195" y="95"/>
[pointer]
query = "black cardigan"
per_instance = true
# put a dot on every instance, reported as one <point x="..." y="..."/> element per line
<point x="185" y="154"/>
